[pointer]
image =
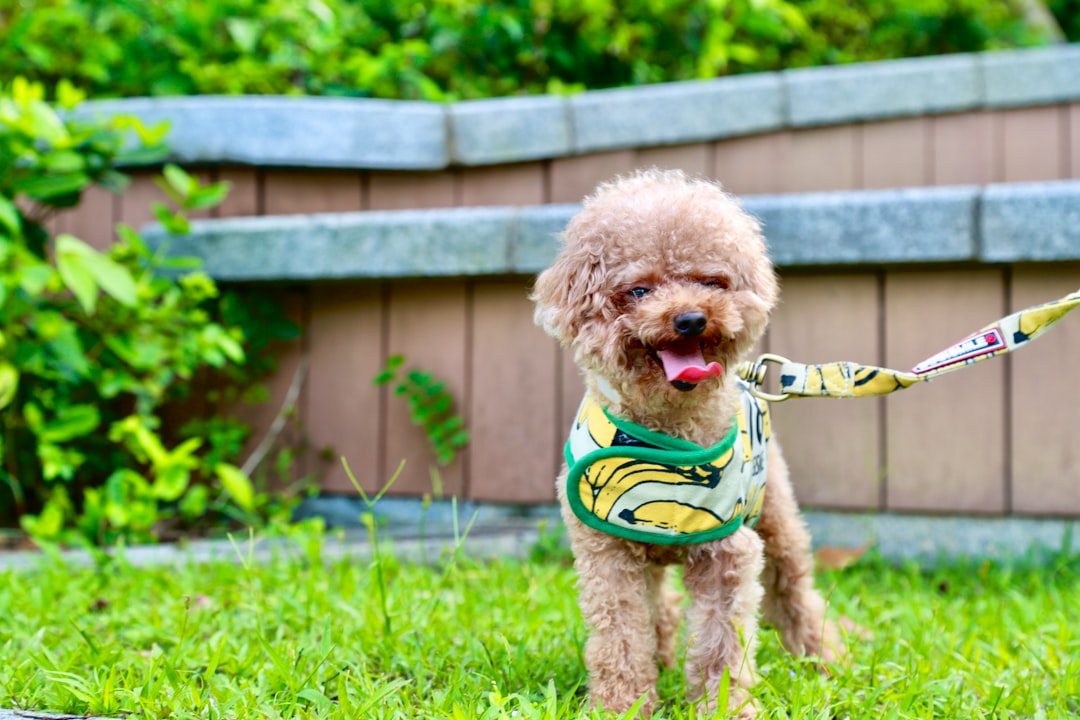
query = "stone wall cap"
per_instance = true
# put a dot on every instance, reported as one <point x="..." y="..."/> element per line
<point x="379" y="134"/>
<point x="874" y="90"/>
<point x="294" y="131"/>
<point x="1031" y="222"/>
<point x="1031" y="76"/>
<point x="965" y="224"/>
<point x="873" y="227"/>
<point x="673" y="113"/>
<point x="497" y="130"/>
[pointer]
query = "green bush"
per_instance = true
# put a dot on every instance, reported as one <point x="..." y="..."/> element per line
<point x="1067" y="14"/>
<point x="459" y="49"/>
<point x="93" y="345"/>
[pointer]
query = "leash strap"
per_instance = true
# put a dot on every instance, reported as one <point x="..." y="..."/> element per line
<point x="850" y="379"/>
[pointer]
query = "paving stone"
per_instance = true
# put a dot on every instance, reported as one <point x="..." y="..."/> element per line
<point x="934" y="538"/>
<point x="504" y="531"/>
<point x="1030" y="221"/>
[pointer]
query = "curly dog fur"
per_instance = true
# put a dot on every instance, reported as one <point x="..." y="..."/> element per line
<point x="645" y="250"/>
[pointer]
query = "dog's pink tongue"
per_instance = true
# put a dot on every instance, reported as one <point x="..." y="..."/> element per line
<point x="684" y="361"/>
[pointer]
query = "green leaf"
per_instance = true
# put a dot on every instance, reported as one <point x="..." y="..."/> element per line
<point x="170" y="484"/>
<point x="65" y="162"/>
<point x="45" y="526"/>
<point x="77" y="277"/>
<point x="182" y="263"/>
<point x="71" y="421"/>
<point x="219" y="339"/>
<point x="244" y="32"/>
<point x="383" y="378"/>
<point x="145" y="155"/>
<point x="9" y="383"/>
<point x="46" y="187"/>
<point x="122" y="487"/>
<point x="34" y="278"/>
<point x="207" y="197"/>
<point x="33" y="416"/>
<point x="47" y="125"/>
<point x="316" y="698"/>
<point x="114" y="181"/>
<point x="67" y="348"/>
<point x="236" y="484"/>
<point x="107" y="273"/>
<point x="9" y="217"/>
<point x="67" y="95"/>
<point x="173" y="223"/>
<point x="24" y="91"/>
<point x="195" y="502"/>
<point x="113" y="278"/>
<point x="179" y="180"/>
<point x="128" y="235"/>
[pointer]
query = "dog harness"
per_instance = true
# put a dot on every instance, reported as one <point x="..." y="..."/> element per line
<point x="638" y="484"/>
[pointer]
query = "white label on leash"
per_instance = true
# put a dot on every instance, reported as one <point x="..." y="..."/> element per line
<point x="966" y="351"/>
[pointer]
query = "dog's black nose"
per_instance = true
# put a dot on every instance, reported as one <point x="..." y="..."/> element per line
<point x="690" y="324"/>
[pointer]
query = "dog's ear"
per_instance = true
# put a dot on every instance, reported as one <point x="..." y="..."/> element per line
<point x="754" y="311"/>
<point x="570" y="292"/>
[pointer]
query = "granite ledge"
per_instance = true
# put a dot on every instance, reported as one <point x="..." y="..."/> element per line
<point x="361" y="133"/>
<point x="966" y="224"/>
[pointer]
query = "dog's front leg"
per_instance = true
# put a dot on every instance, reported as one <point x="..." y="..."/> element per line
<point x="665" y="603"/>
<point x="723" y="580"/>
<point x="613" y="592"/>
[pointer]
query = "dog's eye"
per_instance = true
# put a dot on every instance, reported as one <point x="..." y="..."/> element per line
<point x="718" y="283"/>
<point x="638" y="292"/>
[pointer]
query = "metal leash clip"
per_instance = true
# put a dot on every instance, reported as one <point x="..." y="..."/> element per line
<point x="754" y="373"/>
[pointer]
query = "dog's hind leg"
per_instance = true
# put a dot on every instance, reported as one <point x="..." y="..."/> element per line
<point x="723" y="580"/>
<point x="792" y="604"/>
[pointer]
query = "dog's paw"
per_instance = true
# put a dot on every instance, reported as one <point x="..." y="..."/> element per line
<point x="742" y="706"/>
<point x="620" y="699"/>
<point x="837" y="638"/>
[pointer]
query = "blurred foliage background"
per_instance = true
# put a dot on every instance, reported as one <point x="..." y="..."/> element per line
<point x="461" y="49"/>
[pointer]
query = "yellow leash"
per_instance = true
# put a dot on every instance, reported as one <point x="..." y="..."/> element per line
<point x="850" y="379"/>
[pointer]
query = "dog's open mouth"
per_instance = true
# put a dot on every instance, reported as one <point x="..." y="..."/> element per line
<point x="684" y="364"/>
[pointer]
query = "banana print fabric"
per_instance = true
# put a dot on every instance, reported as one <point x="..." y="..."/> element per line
<point x="642" y="485"/>
<point x="849" y="379"/>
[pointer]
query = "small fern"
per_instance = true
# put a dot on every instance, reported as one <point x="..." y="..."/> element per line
<point x="431" y="406"/>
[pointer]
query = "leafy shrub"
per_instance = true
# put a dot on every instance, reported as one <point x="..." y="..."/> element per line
<point x="1067" y="14"/>
<point x="94" y="344"/>
<point x="459" y="49"/>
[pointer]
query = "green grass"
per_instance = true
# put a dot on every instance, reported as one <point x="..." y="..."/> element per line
<point x="305" y="638"/>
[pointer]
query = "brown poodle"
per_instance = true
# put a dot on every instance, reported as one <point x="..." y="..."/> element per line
<point x="662" y="286"/>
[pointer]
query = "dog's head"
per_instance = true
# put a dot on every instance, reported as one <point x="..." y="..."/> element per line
<point x="662" y="284"/>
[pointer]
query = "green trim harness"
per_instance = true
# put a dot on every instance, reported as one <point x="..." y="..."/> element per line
<point x="638" y="484"/>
